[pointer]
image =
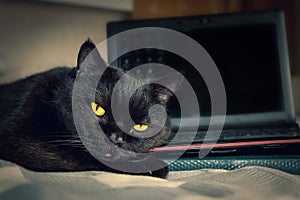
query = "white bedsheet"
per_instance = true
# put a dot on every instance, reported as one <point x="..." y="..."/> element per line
<point x="253" y="183"/>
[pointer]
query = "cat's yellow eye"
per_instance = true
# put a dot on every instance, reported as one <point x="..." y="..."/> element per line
<point x="141" y="127"/>
<point x="97" y="109"/>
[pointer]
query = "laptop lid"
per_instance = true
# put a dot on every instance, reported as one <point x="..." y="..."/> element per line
<point x="250" y="51"/>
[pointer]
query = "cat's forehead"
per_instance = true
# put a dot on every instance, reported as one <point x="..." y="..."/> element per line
<point x="122" y="85"/>
<point x="115" y="76"/>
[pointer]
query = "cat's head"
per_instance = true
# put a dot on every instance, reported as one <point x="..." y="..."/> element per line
<point x="129" y="133"/>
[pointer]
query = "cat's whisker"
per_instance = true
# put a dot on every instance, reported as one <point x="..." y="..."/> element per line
<point x="59" y="135"/>
<point x="72" y="145"/>
<point x="70" y="141"/>
<point x="62" y="136"/>
<point x="51" y="103"/>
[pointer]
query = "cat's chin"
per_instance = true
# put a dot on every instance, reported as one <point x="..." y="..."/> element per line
<point x="150" y="166"/>
<point x="118" y="155"/>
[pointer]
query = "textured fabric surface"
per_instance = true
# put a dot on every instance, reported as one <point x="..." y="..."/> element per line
<point x="290" y="164"/>
<point x="245" y="183"/>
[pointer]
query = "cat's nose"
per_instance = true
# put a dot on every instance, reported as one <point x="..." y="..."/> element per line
<point x="116" y="140"/>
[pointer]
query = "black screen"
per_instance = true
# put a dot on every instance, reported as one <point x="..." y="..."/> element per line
<point x="246" y="56"/>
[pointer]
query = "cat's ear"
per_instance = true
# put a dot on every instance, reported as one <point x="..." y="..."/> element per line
<point x="168" y="84"/>
<point x="86" y="48"/>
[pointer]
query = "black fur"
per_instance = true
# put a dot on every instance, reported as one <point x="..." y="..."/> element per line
<point x="36" y="123"/>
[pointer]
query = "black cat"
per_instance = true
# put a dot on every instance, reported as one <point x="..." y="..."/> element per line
<point x="37" y="129"/>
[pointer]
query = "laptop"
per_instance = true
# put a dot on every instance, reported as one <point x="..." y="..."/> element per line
<point x="250" y="52"/>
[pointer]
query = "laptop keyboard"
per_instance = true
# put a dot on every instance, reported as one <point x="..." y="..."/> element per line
<point x="260" y="133"/>
<point x="240" y="134"/>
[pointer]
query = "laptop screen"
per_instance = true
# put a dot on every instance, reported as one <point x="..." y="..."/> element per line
<point x="249" y="51"/>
